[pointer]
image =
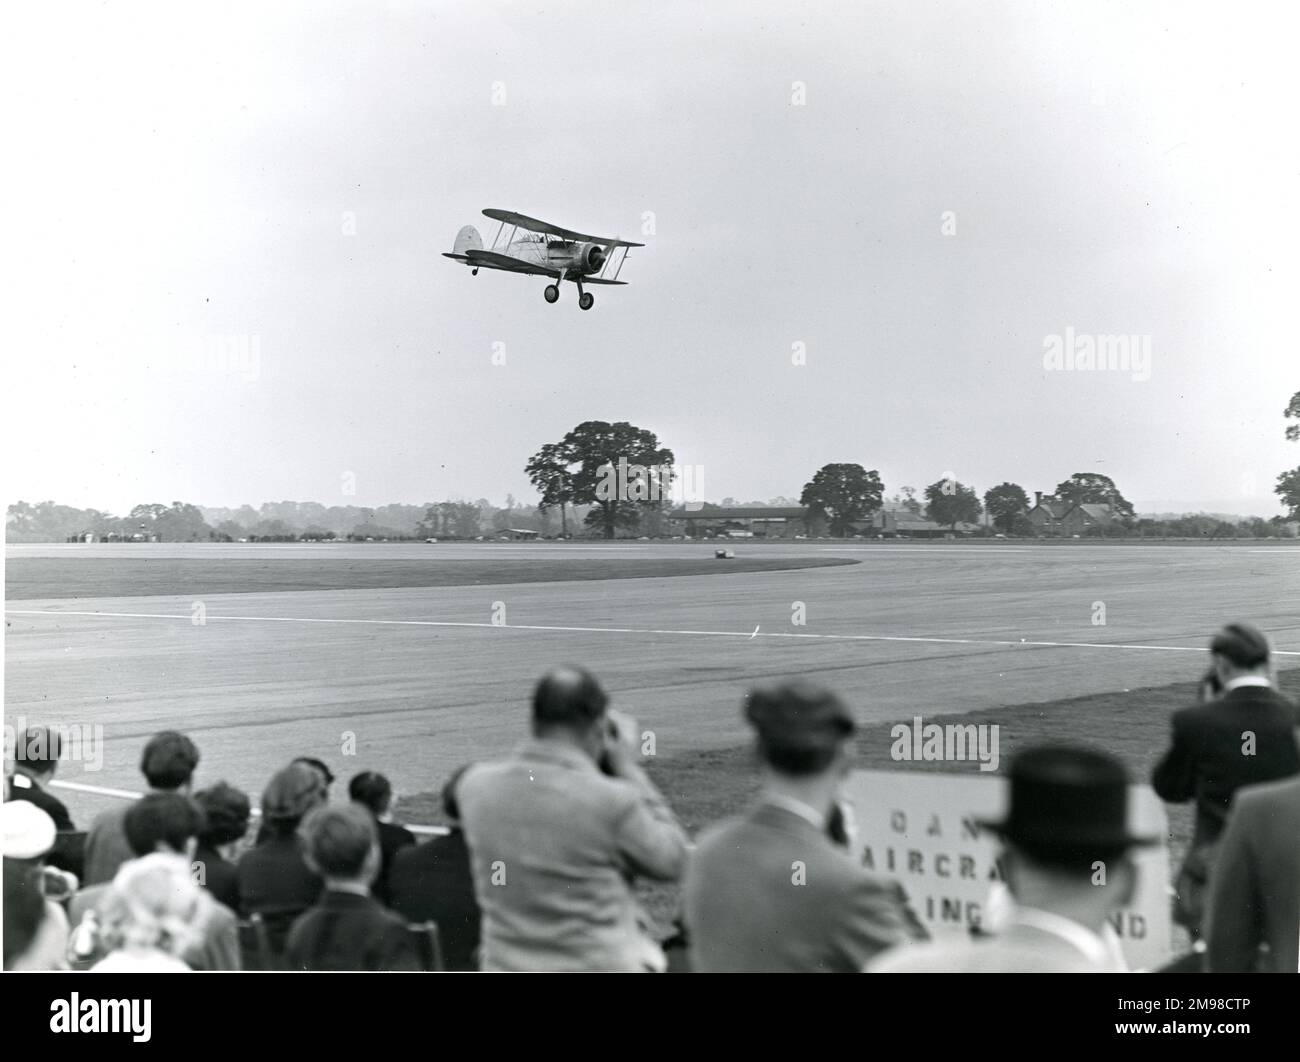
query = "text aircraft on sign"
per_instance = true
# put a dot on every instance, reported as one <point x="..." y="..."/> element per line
<point x="544" y="250"/>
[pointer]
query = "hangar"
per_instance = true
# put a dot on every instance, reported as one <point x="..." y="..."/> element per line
<point x="741" y="522"/>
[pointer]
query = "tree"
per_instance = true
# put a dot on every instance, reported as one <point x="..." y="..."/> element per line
<point x="1288" y="489"/>
<point x="1288" y="483"/>
<point x="951" y="503"/>
<point x="1092" y="488"/>
<point x="548" y="471"/>
<point x="231" y="530"/>
<point x="1004" y="503"/>
<point x="909" y="500"/>
<point x="842" y="494"/>
<point x="272" y="531"/>
<point x="618" y="469"/>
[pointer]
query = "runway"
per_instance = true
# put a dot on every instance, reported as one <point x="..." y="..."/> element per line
<point x="416" y="680"/>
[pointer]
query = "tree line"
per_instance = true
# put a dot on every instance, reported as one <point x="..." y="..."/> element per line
<point x="608" y="478"/>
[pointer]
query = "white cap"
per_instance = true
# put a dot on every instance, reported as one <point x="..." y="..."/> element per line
<point x="28" y="832"/>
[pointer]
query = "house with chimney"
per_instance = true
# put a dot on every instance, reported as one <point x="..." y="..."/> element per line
<point x="1054" y="516"/>
<point x="1087" y="515"/>
<point x="1047" y="513"/>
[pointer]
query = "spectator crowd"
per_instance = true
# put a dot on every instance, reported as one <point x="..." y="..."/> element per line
<point x="538" y="870"/>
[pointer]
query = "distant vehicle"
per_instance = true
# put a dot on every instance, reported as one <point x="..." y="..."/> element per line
<point x="431" y="540"/>
<point x="544" y="250"/>
<point x="733" y="533"/>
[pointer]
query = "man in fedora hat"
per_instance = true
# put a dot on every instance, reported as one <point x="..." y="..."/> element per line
<point x="1245" y="737"/>
<point x="1067" y="861"/>
<point x="775" y="890"/>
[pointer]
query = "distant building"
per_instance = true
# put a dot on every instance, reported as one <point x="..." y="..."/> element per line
<point x="517" y="534"/>
<point x="1052" y="516"/>
<point x="1047" y="513"/>
<point x="1086" y="515"/>
<point x="904" y="523"/>
<point x="760" y="522"/>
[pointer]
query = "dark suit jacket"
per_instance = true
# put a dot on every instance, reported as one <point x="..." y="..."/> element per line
<point x="392" y="839"/>
<point x="220" y="877"/>
<point x="1255" y="888"/>
<point x="68" y="852"/>
<point x="769" y="892"/>
<point x="274" y="881"/>
<point x="1205" y="761"/>
<point x="433" y="882"/>
<point x="346" y="931"/>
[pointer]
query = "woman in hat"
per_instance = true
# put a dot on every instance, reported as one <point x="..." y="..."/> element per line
<point x="273" y="877"/>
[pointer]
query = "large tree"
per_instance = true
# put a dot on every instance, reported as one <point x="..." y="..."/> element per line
<point x="842" y="494"/>
<point x="951" y="503"/>
<point x="1004" y="503"/>
<point x="1288" y="483"/>
<point x="548" y="471"/>
<point x="1092" y="488"/>
<point x="618" y="469"/>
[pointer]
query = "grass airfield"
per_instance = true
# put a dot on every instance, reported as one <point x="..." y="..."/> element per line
<point x="415" y="658"/>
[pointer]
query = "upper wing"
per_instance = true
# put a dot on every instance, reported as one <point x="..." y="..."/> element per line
<point x="509" y="217"/>
<point x="494" y="260"/>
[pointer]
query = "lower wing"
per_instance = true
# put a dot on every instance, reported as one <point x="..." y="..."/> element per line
<point x="495" y="260"/>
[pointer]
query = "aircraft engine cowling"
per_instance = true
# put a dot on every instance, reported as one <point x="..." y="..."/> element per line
<point x="590" y="257"/>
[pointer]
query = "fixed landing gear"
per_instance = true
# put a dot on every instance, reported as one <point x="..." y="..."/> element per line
<point x="586" y="300"/>
<point x="473" y="272"/>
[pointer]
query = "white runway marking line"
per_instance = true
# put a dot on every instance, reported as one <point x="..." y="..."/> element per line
<point x="623" y="630"/>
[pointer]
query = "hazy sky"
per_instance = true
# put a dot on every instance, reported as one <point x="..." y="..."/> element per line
<point x="190" y="181"/>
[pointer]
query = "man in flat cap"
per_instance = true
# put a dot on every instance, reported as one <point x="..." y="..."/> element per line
<point x="1067" y="861"/>
<point x="772" y="890"/>
<point x="1246" y="737"/>
<point x="559" y="832"/>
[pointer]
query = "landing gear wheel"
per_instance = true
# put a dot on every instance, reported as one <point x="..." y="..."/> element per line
<point x="586" y="300"/>
<point x="552" y="292"/>
<point x="473" y="272"/>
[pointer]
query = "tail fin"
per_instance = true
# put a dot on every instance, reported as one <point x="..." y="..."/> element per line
<point x="468" y="239"/>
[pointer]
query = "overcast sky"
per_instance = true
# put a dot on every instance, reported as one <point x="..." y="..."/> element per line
<point x="190" y="178"/>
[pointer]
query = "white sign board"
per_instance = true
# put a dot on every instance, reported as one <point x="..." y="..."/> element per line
<point x="919" y="829"/>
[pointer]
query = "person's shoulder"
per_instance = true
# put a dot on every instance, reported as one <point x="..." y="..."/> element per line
<point x="1194" y="715"/>
<point x="720" y="834"/>
<point x="928" y="957"/>
<point x="42" y="798"/>
<point x="215" y="914"/>
<point x="108" y="819"/>
<point x="482" y="777"/>
<point x="394" y="834"/>
<point x="1263" y="798"/>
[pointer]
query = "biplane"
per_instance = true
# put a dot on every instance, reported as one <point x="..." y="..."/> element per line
<point x="544" y="250"/>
